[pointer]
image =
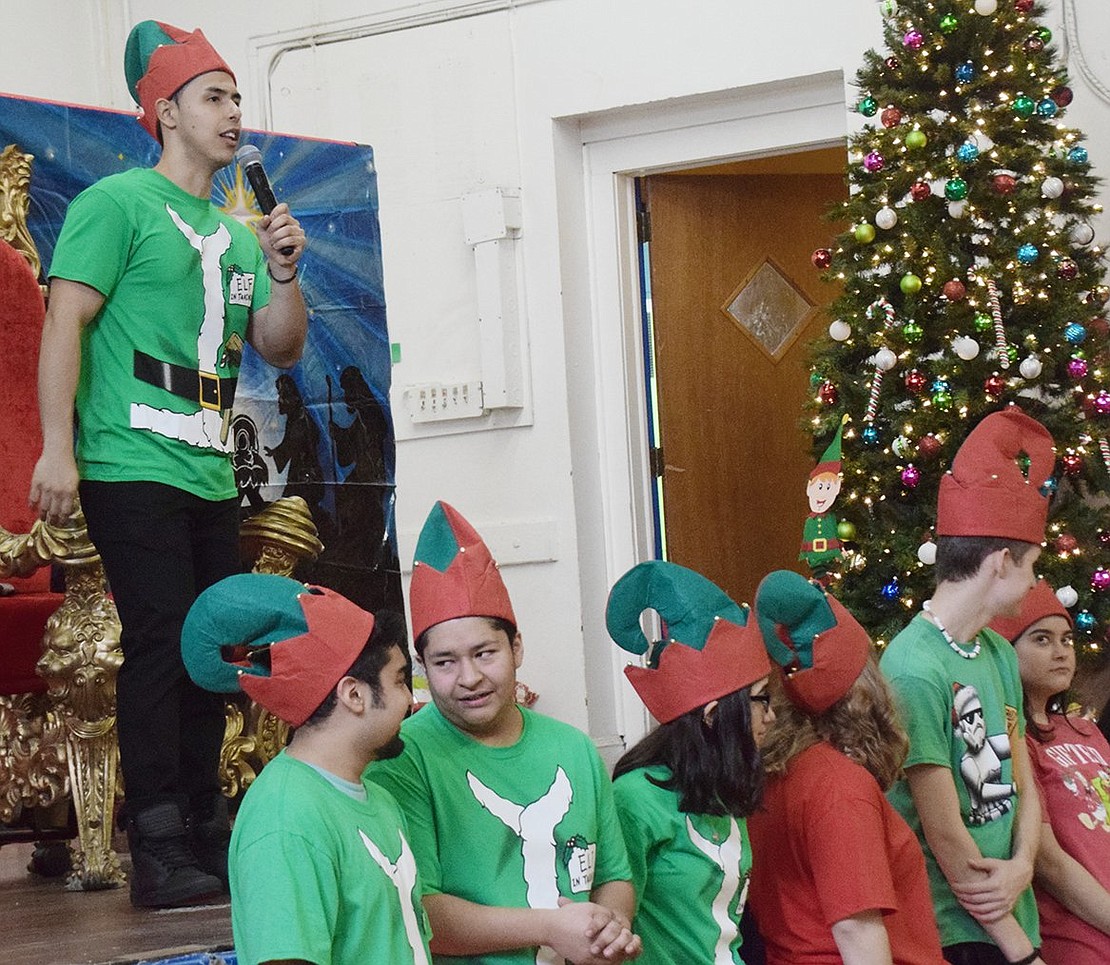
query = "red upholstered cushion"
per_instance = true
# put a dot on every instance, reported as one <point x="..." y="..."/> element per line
<point x="21" y="317"/>
<point x="22" y="619"/>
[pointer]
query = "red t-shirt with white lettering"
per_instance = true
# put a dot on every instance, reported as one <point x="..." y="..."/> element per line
<point x="1073" y="774"/>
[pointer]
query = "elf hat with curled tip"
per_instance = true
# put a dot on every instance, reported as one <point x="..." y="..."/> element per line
<point x="296" y="641"/>
<point x="160" y="59"/>
<point x="1039" y="602"/>
<point x="986" y="492"/>
<point x="454" y="574"/>
<point x="818" y="645"/>
<point x="708" y="650"/>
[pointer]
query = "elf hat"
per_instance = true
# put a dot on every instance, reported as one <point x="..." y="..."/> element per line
<point x="819" y="647"/>
<point x="830" y="461"/>
<point x="708" y="650"/>
<point x="985" y="493"/>
<point x="160" y="59"/>
<point x="1039" y="602"/>
<point x="454" y="574"/>
<point x="310" y="634"/>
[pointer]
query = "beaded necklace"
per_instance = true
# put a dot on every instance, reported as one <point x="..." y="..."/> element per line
<point x="958" y="648"/>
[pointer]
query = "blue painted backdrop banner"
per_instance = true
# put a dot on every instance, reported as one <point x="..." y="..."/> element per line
<point x="321" y="430"/>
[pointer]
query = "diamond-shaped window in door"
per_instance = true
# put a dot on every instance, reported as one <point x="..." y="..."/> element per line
<point x="770" y="309"/>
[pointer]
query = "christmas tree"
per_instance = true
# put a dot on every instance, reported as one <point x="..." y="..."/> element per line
<point x="969" y="281"/>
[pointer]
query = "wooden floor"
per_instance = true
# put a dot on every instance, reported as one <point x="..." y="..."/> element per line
<point x="43" y="924"/>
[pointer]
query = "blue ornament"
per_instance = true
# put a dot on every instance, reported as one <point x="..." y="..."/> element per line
<point x="967" y="152"/>
<point x="870" y="435"/>
<point x="1075" y="333"/>
<point x="1078" y="155"/>
<point x="1050" y="486"/>
<point x="941" y="385"/>
<point x="891" y="590"/>
<point x="1085" y="620"/>
<point x="1047" y="107"/>
<point x="965" y="72"/>
<point x="1027" y="254"/>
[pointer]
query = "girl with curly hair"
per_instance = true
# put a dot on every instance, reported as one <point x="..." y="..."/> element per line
<point x="839" y="874"/>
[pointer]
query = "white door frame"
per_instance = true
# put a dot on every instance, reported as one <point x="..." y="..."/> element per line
<point x="598" y="156"/>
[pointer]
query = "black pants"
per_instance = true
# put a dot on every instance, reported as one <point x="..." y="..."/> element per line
<point x="973" y="953"/>
<point x="161" y="546"/>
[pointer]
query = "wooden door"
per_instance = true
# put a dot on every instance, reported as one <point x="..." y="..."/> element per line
<point x="735" y="455"/>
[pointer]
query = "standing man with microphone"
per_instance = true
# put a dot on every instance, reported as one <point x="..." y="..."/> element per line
<point x="153" y="292"/>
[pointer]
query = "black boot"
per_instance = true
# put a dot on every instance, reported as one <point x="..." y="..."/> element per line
<point x="210" y="833"/>
<point x="164" y="870"/>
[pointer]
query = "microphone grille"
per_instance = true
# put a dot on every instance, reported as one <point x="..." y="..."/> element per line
<point x="248" y="154"/>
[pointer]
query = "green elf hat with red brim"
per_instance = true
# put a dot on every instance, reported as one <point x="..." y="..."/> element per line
<point x="708" y="650"/>
<point x="160" y="59"/>
<point x="818" y="645"/>
<point x="831" y="460"/>
<point x="986" y="492"/>
<point x="1039" y="602"/>
<point x="454" y="575"/>
<point x="285" y="644"/>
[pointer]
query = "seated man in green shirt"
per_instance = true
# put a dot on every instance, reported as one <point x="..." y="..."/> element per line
<point x="321" y="870"/>
<point x="511" y="813"/>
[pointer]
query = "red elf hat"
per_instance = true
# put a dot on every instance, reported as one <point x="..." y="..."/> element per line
<point x="454" y="574"/>
<point x="1039" y="602"/>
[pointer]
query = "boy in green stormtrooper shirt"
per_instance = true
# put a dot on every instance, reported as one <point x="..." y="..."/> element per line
<point x="510" y="813"/>
<point x="968" y="791"/>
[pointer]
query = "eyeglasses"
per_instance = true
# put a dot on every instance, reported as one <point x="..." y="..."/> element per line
<point x="764" y="699"/>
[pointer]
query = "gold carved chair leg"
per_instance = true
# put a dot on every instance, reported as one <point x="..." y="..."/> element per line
<point x="274" y="540"/>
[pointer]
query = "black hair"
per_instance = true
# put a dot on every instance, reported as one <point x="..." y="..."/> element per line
<point x="715" y="767"/>
<point x="959" y="557"/>
<point x="388" y="632"/>
<point x="507" y="627"/>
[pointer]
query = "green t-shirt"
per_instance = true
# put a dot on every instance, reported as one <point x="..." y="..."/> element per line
<point x="319" y="876"/>
<point x="180" y="279"/>
<point x="963" y="715"/>
<point x="690" y="872"/>
<point x="511" y="826"/>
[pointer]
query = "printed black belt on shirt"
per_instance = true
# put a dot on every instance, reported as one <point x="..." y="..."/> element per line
<point x="205" y="388"/>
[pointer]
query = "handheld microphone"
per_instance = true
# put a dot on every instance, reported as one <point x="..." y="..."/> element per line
<point x="249" y="159"/>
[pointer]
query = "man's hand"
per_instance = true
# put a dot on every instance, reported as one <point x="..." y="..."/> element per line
<point x="278" y="231"/>
<point x="992" y="896"/>
<point x="590" y="934"/>
<point x="54" y="486"/>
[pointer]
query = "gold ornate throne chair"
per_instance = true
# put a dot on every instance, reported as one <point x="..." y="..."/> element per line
<point x="59" y="652"/>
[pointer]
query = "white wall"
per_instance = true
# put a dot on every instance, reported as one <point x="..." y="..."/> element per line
<point x="458" y="95"/>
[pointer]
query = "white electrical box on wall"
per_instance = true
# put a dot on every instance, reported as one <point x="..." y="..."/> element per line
<point x="438" y="403"/>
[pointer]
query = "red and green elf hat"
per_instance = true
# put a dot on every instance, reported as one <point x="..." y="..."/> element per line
<point x="1039" y="602"/>
<point x="707" y="652"/>
<point x="284" y="643"/>
<point x="830" y="461"/>
<point x="818" y="645"/>
<point x="454" y="574"/>
<point x="160" y="59"/>
<point x="986" y="492"/>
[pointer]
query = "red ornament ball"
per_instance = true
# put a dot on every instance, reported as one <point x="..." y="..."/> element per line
<point x="954" y="290"/>
<point x="928" y="447"/>
<point x="915" y="381"/>
<point x="891" y="117"/>
<point x="828" y="393"/>
<point x="1099" y="326"/>
<point x="1065" y="543"/>
<point x="821" y="258"/>
<point x="1067" y="269"/>
<point x="995" y="386"/>
<point x="892" y="63"/>
<point x="1023" y="6"/>
<point x="1062" y="95"/>
<point x="1034" y="44"/>
<point x="1003" y="184"/>
<point x="1104" y="538"/>
<point x="921" y="191"/>
<point x="1073" y="464"/>
<point x="1098" y="296"/>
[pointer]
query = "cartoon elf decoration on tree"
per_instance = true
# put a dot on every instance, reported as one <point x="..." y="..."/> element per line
<point x="969" y="281"/>
<point x="821" y="547"/>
